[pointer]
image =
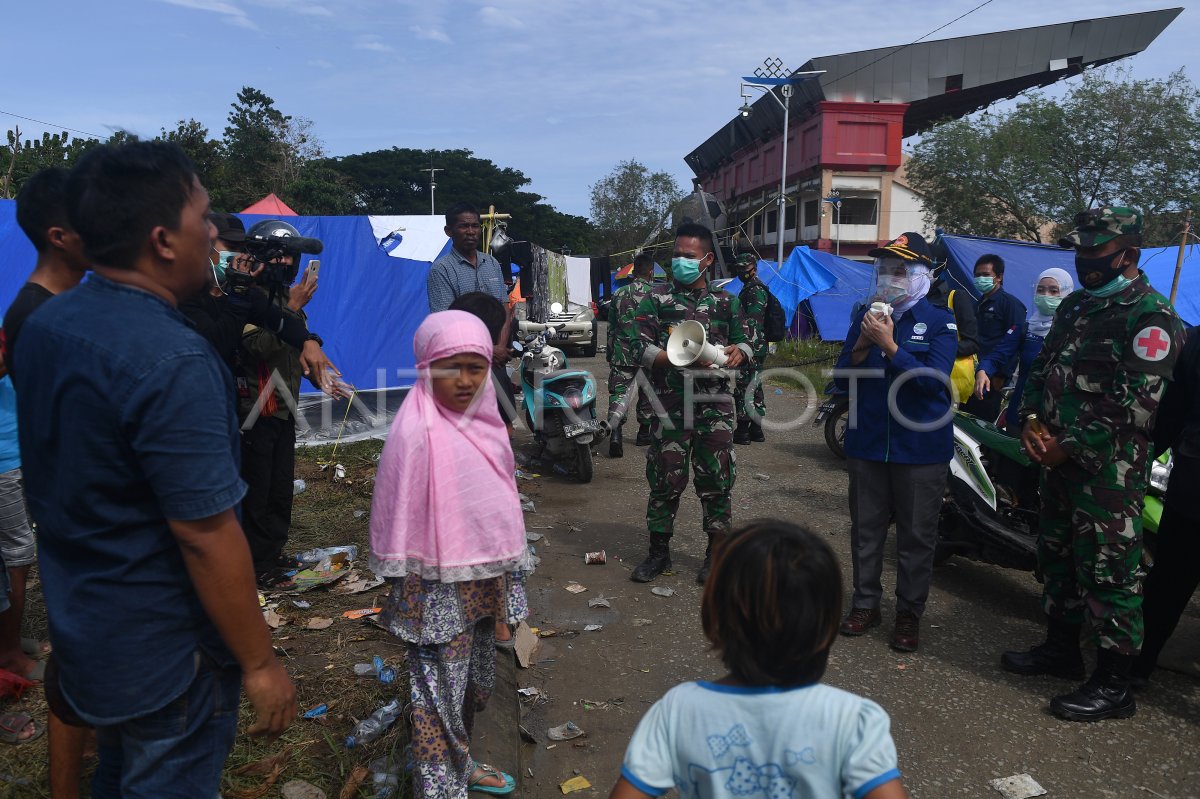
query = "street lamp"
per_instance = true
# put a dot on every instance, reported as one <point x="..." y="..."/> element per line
<point x="835" y="200"/>
<point x="769" y="76"/>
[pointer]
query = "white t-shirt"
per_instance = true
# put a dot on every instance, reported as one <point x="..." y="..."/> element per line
<point x="710" y="740"/>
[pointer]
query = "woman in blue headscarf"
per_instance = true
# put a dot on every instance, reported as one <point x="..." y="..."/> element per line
<point x="1052" y="286"/>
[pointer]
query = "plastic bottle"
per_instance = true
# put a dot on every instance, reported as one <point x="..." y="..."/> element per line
<point x="298" y="487"/>
<point x="371" y="728"/>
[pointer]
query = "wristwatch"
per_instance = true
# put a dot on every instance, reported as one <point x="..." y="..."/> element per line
<point x="316" y="338"/>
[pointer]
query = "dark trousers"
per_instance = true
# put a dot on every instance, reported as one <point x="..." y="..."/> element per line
<point x="989" y="407"/>
<point x="1168" y="588"/>
<point x="268" y="467"/>
<point x="913" y="494"/>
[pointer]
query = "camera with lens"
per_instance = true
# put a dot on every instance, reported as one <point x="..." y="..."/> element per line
<point x="271" y="241"/>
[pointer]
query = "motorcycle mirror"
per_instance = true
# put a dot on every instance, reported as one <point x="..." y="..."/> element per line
<point x="556" y="307"/>
<point x="517" y="346"/>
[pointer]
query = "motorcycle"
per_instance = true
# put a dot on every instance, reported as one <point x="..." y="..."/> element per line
<point x="559" y="403"/>
<point x="991" y="508"/>
<point x="834" y="414"/>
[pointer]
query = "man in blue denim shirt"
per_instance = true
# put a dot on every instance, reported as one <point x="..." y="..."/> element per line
<point x="130" y="436"/>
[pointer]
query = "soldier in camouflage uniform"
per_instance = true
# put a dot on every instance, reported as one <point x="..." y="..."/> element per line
<point x="699" y="416"/>
<point x="624" y="353"/>
<point x="1088" y="412"/>
<point x="754" y="308"/>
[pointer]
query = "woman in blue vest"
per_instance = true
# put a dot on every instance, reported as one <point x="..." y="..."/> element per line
<point x="896" y="367"/>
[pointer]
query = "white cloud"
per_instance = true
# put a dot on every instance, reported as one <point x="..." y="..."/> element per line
<point x="372" y="43"/>
<point x="230" y="12"/>
<point x="297" y="7"/>
<point x="433" y="34"/>
<point x="320" y="63"/>
<point x="490" y="15"/>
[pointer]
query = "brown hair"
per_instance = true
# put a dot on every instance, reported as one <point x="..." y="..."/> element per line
<point x="772" y="603"/>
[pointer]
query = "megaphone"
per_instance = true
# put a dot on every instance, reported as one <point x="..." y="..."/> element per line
<point x="689" y="343"/>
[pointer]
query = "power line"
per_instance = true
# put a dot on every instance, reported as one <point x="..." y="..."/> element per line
<point x="52" y="125"/>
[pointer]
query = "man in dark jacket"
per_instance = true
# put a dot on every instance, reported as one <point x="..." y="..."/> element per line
<point x="998" y="313"/>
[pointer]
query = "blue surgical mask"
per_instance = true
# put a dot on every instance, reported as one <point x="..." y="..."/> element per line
<point x="1114" y="286"/>
<point x="985" y="283"/>
<point x="1046" y="303"/>
<point x="686" y="271"/>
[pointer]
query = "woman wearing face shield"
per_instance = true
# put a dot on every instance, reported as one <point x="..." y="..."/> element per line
<point x="1052" y="286"/>
<point x="896" y="366"/>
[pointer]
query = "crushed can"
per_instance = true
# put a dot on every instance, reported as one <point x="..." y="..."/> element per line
<point x="595" y="558"/>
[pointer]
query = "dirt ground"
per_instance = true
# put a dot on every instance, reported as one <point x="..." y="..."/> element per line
<point x="958" y="720"/>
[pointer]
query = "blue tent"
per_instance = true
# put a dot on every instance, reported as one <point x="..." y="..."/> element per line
<point x="802" y="276"/>
<point x="1023" y="262"/>
<point x="367" y="308"/>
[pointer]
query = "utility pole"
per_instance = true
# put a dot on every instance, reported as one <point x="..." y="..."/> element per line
<point x="432" y="183"/>
<point x="1187" y="229"/>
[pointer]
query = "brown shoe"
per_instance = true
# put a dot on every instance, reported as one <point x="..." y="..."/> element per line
<point x="859" y="621"/>
<point x="904" y="637"/>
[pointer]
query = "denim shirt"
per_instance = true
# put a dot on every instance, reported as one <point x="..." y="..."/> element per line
<point x="126" y="420"/>
<point x="453" y="275"/>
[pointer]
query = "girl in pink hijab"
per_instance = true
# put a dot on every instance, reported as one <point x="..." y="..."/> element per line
<point x="448" y="533"/>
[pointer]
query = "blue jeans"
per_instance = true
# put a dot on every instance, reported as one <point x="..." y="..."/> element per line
<point x="177" y="752"/>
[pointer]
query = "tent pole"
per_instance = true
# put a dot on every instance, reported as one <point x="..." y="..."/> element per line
<point x="1187" y="228"/>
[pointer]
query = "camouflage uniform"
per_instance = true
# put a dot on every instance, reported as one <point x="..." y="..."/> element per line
<point x="754" y="308"/>
<point x="1096" y="386"/>
<point x="624" y="352"/>
<point x="705" y="435"/>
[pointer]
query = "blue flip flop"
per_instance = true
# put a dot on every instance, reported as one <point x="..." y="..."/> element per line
<point x="510" y="784"/>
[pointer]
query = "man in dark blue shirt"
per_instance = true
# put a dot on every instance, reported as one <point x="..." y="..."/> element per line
<point x="130" y="436"/>
<point x="998" y="312"/>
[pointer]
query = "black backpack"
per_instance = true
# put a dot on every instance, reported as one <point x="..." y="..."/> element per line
<point x="775" y="323"/>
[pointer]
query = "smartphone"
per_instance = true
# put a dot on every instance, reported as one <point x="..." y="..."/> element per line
<point x="310" y="272"/>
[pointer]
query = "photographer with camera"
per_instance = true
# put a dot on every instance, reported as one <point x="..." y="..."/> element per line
<point x="268" y="376"/>
<point x="235" y="299"/>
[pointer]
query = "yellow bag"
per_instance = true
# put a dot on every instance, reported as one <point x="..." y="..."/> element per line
<point x="962" y="375"/>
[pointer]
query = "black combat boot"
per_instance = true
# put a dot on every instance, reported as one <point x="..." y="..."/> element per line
<point x="742" y="434"/>
<point x="657" y="562"/>
<point x="756" y="433"/>
<point x="616" y="446"/>
<point x="1106" y="695"/>
<point x="643" y="437"/>
<point x="713" y="539"/>
<point x="1059" y="656"/>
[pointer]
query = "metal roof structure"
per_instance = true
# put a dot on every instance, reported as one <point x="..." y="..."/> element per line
<point x="942" y="79"/>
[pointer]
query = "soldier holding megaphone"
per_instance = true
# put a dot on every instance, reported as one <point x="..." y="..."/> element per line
<point x="696" y="423"/>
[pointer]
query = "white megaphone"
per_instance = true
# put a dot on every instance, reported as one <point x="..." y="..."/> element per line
<point x="689" y="343"/>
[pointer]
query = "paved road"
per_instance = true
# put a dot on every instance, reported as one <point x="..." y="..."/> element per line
<point x="958" y="720"/>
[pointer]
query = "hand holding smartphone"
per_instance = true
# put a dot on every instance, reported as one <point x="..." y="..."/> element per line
<point x="310" y="272"/>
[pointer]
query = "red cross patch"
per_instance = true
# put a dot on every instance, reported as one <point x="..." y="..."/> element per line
<point x="1152" y="344"/>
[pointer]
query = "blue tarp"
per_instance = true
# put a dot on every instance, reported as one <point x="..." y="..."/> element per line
<point x="367" y="308"/>
<point x="831" y="308"/>
<point x="802" y="276"/>
<point x="1023" y="262"/>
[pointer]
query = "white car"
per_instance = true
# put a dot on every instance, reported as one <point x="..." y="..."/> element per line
<point x="576" y="326"/>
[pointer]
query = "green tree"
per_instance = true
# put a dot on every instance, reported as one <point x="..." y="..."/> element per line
<point x="395" y="181"/>
<point x="630" y="204"/>
<point x="254" y="148"/>
<point x="206" y="153"/>
<point x="21" y="158"/>
<point x="1024" y="174"/>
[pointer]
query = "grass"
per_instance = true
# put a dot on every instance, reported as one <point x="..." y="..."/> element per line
<point x="809" y="357"/>
<point x="320" y="662"/>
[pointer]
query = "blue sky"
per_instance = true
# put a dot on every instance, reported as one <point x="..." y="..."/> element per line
<point x="560" y="90"/>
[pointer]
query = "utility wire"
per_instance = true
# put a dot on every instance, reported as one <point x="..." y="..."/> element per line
<point x="52" y="125"/>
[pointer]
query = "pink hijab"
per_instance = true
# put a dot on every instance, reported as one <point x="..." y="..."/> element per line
<point x="445" y="504"/>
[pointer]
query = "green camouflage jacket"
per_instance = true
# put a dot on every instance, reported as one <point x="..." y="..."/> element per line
<point x="623" y="347"/>
<point x="667" y="306"/>
<point x="754" y="307"/>
<point x="1100" y="376"/>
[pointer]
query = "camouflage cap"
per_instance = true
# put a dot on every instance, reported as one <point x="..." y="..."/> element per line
<point x="746" y="259"/>
<point x="1096" y="226"/>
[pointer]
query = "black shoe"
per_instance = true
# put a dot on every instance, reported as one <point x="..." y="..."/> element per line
<point x="756" y="433"/>
<point x="702" y="575"/>
<point x="1106" y="695"/>
<point x="644" y="438"/>
<point x="741" y="435"/>
<point x="1059" y="656"/>
<point x="657" y="562"/>
<point x="616" y="449"/>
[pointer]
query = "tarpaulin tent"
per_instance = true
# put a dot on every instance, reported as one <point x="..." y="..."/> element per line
<point x="802" y="276"/>
<point x="1024" y="261"/>
<point x="270" y="206"/>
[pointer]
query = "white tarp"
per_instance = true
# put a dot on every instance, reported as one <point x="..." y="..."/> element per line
<point x="417" y="238"/>
<point x="579" y="278"/>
